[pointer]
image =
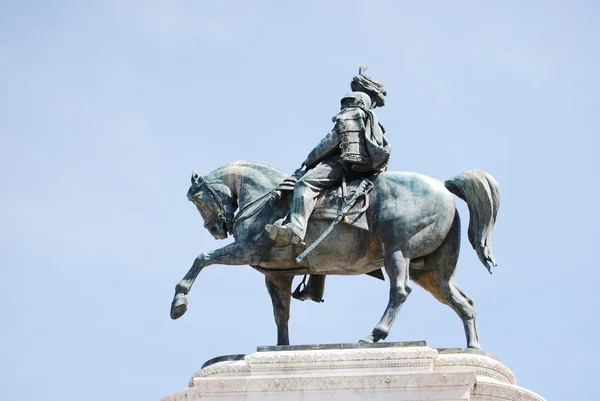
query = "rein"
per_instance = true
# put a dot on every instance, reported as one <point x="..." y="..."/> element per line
<point x="222" y="213"/>
<point x="259" y="202"/>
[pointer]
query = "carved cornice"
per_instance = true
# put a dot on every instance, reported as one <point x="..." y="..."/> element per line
<point x="320" y="356"/>
<point x="490" y="367"/>
<point x="496" y="392"/>
<point x="398" y="382"/>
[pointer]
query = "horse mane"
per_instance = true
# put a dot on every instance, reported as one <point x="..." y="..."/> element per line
<point x="245" y="163"/>
<point x="245" y="179"/>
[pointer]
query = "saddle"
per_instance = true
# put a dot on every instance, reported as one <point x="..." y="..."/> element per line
<point x="329" y="202"/>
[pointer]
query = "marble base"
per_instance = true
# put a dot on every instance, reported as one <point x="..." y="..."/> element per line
<point x="388" y="371"/>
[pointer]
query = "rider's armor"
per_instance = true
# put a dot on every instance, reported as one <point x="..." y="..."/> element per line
<point x="350" y="127"/>
<point x="347" y="139"/>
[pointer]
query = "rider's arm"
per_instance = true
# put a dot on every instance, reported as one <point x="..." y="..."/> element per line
<point x="327" y="146"/>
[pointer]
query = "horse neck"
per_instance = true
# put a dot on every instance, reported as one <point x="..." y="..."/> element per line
<point x="248" y="180"/>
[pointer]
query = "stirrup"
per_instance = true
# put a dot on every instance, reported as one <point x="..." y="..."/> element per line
<point x="304" y="293"/>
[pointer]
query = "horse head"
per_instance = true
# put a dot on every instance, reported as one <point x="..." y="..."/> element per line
<point x="215" y="203"/>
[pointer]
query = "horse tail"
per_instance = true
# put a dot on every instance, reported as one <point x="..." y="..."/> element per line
<point x="480" y="191"/>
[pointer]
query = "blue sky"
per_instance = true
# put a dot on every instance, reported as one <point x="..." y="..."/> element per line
<point x="106" y="107"/>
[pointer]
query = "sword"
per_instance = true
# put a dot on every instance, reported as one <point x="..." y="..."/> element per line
<point x="363" y="190"/>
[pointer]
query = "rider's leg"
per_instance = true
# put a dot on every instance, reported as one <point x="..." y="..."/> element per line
<point x="325" y="175"/>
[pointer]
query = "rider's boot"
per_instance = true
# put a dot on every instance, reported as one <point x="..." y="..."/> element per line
<point x="283" y="234"/>
<point x="304" y="199"/>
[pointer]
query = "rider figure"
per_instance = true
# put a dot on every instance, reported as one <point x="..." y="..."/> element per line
<point x="357" y="143"/>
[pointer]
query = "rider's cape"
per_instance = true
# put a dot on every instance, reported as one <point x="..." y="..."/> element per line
<point x="377" y="145"/>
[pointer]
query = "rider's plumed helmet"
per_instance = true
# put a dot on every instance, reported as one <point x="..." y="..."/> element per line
<point x="366" y="84"/>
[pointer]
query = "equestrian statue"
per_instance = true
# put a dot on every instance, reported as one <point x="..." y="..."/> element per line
<point x="343" y="213"/>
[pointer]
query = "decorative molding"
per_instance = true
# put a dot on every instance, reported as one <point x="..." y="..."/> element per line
<point x="478" y="361"/>
<point x="401" y="382"/>
<point x="492" y="391"/>
<point x="220" y="368"/>
<point x="334" y="367"/>
<point x="338" y="346"/>
<point x="320" y="356"/>
<point x="500" y="379"/>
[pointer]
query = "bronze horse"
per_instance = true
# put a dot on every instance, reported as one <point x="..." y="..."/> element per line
<point x="414" y="233"/>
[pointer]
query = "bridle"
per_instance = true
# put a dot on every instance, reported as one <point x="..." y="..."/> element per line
<point x="221" y="216"/>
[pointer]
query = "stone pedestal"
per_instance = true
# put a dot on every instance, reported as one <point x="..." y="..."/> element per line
<point x="388" y="371"/>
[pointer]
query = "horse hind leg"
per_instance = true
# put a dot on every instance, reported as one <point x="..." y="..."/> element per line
<point x="437" y="277"/>
<point x="467" y="315"/>
<point x="397" y="268"/>
<point x="447" y="292"/>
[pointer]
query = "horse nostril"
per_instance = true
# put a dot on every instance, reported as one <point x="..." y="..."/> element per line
<point x="213" y="230"/>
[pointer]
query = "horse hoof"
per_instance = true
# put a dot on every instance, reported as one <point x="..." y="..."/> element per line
<point x="178" y="306"/>
<point x="367" y="340"/>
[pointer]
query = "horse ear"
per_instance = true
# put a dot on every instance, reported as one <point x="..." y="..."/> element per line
<point x="195" y="176"/>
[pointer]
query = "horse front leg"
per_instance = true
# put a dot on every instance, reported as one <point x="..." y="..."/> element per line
<point x="280" y="290"/>
<point x="232" y="254"/>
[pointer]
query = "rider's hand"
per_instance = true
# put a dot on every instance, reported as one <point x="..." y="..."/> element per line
<point x="299" y="173"/>
<point x="307" y="164"/>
